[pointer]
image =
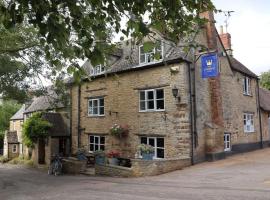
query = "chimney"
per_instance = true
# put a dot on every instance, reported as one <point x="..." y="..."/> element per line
<point x="210" y="29"/>
<point x="226" y="41"/>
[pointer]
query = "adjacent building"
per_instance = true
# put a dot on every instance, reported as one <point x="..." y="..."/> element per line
<point x="58" y="141"/>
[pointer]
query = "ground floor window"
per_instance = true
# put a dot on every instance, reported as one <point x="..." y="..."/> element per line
<point x="248" y="122"/>
<point x="14" y="148"/>
<point x="227" y="142"/>
<point x="157" y="143"/>
<point x="96" y="143"/>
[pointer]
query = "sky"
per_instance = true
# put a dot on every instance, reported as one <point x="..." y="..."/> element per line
<point x="249" y="26"/>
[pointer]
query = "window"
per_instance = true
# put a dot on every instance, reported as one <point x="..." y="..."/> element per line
<point x="96" y="143"/>
<point x="157" y="143"/>
<point x="150" y="56"/>
<point x="247" y="86"/>
<point x="14" y="148"/>
<point x="248" y="122"/>
<point x="99" y="69"/>
<point x="227" y="142"/>
<point x="152" y="100"/>
<point x="96" y="107"/>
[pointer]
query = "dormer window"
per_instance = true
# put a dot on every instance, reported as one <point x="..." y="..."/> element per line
<point x="97" y="70"/>
<point x="151" y="56"/>
<point x="246" y="86"/>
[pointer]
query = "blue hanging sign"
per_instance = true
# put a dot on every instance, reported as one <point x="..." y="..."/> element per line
<point x="209" y="65"/>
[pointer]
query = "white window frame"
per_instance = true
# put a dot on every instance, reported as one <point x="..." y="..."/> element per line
<point x="249" y="123"/>
<point x="91" y="114"/>
<point x="97" y="70"/>
<point x="155" y="100"/>
<point x="151" y="54"/>
<point x="94" y="143"/>
<point x="14" y="150"/>
<point x="227" y="142"/>
<point x="247" y="86"/>
<point x="155" y="145"/>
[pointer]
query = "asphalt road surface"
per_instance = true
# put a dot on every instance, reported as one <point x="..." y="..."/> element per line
<point x="245" y="176"/>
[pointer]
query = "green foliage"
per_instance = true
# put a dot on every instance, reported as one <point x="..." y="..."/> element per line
<point x="34" y="128"/>
<point x="3" y="159"/>
<point x="71" y="30"/>
<point x="265" y="80"/>
<point x="7" y="110"/>
<point x="21" y="161"/>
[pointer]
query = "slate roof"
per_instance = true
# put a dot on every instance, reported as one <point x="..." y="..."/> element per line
<point x="236" y="65"/>
<point x="265" y="99"/>
<point x="19" y="114"/>
<point x="43" y="103"/>
<point x="128" y="59"/>
<point x="59" y="127"/>
<point x="12" y="137"/>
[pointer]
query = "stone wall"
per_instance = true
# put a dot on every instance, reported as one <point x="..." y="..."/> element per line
<point x="143" y="168"/>
<point x="121" y="95"/>
<point x="265" y="125"/>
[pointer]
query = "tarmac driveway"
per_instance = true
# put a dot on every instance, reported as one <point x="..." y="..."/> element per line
<point x="245" y="176"/>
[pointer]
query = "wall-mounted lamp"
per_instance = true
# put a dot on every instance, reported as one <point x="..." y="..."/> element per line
<point x="175" y="92"/>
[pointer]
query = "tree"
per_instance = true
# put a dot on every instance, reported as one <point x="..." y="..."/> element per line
<point x="34" y="128"/>
<point x="79" y="29"/>
<point x="265" y="80"/>
<point x="7" y="110"/>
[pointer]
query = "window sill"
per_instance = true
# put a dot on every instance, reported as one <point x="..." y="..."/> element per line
<point x="96" y="116"/>
<point x="248" y="95"/>
<point x="151" y="111"/>
<point x="249" y="132"/>
<point x="150" y="63"/>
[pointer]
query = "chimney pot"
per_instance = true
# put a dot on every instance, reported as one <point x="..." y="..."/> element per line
<point x="221" y="30"/>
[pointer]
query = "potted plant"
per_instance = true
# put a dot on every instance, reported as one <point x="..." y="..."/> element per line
<point x="113" y="156"/>
<point x="99" y="157"/>
<point x="119" y="130"/>
<point x="147" y="151"/>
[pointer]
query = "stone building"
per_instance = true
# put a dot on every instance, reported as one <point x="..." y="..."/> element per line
<point x="58" y="141"/>
<point x="13" y="145"/>
<point x="265" y="113"/>
<point x="167" y="103"/>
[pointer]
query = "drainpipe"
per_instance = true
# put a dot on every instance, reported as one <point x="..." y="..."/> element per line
<point x="70" y="122"/>
<point x="79" y="116"/>
<point x="191" y="98"/>
<point x="259" y="109"/>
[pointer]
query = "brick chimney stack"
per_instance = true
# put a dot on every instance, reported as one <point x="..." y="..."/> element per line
<point x="210" y="29"/>
<point x="226" y="41"/>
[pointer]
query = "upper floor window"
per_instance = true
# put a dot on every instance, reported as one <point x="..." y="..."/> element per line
<point x="99" y="69"/>
<point x="248" y="122"/>
<point x="152" y="100"/>
<point x="96" y="107"/>
<point x="247" y="86"/>
<point x="153" y="55"/>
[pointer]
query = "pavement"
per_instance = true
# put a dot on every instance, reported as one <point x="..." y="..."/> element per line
<point x="240" y="177"/>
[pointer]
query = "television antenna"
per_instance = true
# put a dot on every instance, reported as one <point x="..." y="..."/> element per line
<point x="227" y="16"/>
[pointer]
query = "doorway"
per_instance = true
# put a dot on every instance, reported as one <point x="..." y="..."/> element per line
<point x="41" y="151"/>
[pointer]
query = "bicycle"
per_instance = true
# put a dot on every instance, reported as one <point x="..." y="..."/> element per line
<point x="55" y="167"/>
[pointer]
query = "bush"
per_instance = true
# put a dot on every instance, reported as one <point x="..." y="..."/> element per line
<point x="3" y="159"/>
<point x="34" y="128"/>
<point x="21" y="161"/>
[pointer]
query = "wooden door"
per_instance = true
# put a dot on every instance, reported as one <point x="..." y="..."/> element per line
<point x="41" y="151"/>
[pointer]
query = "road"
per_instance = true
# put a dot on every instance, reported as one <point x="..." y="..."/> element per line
<point x="245" y="176"/>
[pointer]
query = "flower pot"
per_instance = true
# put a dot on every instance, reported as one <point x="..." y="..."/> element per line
<point x="147" y="156"/>
<point x="100" y="160"/>
<point x="113" y="161"/>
